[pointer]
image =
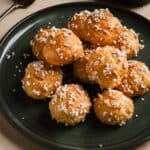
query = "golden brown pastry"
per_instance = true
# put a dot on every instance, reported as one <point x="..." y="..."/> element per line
<point x="77" y="22"/>
<point x="99" y="25"/>
<point x="70" y="104"/>
<point x="79" y="68"/>
<point x="137" y="80"/>
<point x="106" y="65"/>
<point x="62" y="47"/>
<point x="101" y="28"/>
<point x="127" y="41"/>
<point x="112" y="107"/>
<point x="39" y="81"/>
<point x="39" y="42"/>
<point x="91" y="26"/>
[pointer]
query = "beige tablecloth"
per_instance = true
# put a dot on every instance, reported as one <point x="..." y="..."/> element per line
<point x="10" y="138"/>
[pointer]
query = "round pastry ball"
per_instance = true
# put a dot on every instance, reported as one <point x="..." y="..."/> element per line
<point x="62" y="47"/>
<point x="70" y="104"/>
<point x="77" y="22"/>
<point x="107" y="65"/>
<point x="127" y="41"/>
<point x="99" y="25"/>
<point x="39" y="42"/>
<point x="112" y="107"/>
<point x="40" y="81"/>
<point x="137" y="80"/>
<point x="79" y="68"/>
<point x="102" y="28"/>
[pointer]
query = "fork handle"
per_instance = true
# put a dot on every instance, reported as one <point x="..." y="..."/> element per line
<point x="9" y="10"/>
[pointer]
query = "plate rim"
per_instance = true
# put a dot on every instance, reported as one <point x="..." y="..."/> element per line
<point x="35" y="137"/>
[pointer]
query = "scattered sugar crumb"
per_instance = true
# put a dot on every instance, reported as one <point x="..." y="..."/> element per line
<point x="20" y="63"/>
<point x="142" y="46"/>
<point x="14" y="90"/>
<point x="100" y="145"/>
<point x="9" y="56"/>
<point x="25" y="55"/>
<point x="14" y="75"/>
<point x="136" y="115"/>
<point x="13" y="53"/>
<point x="141" y="41"/>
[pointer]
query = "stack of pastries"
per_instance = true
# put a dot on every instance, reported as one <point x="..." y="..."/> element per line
<point x="98" y="46"/>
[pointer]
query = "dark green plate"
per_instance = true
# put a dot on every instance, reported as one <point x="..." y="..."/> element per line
<point x="32" y="118"/>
